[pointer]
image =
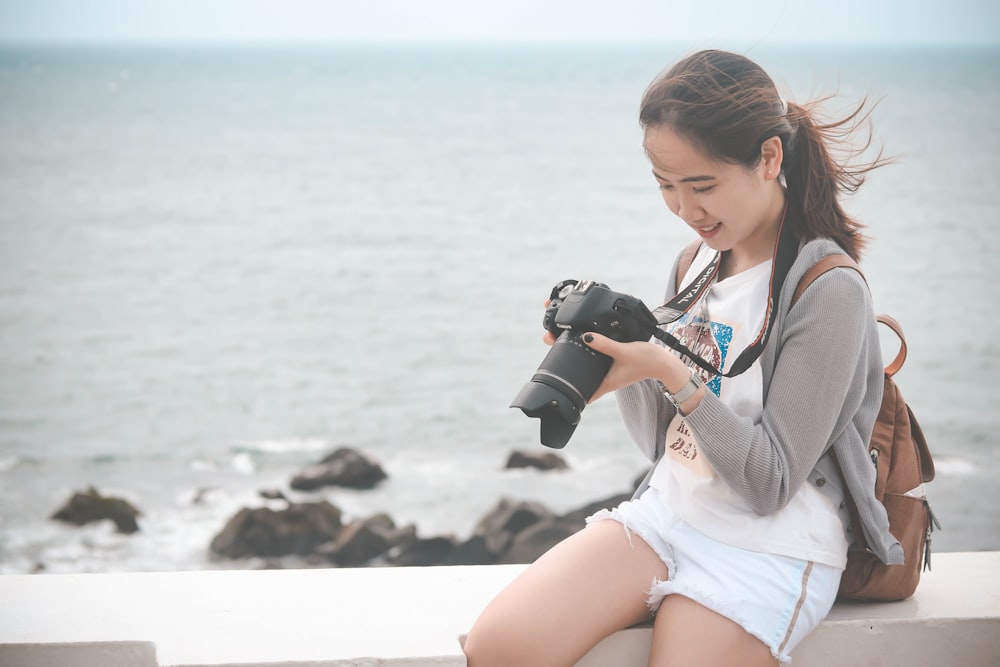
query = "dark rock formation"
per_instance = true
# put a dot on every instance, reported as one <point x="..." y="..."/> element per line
<point x="421" y="552"/>
<point x="474" y="551"/>
<point x="535" y="540"/>
<point x="295" y="530"/>
<point x="511" y="517"/>
<point x="540" y="461"/>
<point x="272" y="494"/>
<point x="362" y="541"/>
<point x="88" y="506"/>
<point x="511" y="532"/>
<point x="521" y="532"/>
<point x="344" y="467"/>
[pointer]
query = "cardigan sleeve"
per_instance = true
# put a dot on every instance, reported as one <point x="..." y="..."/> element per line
<point x="646" y="413"/>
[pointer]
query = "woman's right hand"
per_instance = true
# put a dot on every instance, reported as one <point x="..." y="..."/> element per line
<point x="547" y="337"/>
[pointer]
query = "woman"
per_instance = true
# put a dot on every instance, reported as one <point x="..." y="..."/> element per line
<point x="737" y="540"/>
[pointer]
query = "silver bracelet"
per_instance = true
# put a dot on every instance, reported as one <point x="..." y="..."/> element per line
<point x="693" y="384"/>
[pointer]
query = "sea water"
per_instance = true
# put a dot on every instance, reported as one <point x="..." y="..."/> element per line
<point x="217" y="265"/>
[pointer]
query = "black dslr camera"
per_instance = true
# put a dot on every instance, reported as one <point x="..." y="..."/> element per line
<point x="571" y="372"/>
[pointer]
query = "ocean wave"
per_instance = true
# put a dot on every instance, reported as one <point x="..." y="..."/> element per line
<point x="284" y="446"/>
<point x="955" y="467"/>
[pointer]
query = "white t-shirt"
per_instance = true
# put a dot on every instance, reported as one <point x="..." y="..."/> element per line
<point x="718" y="328"/>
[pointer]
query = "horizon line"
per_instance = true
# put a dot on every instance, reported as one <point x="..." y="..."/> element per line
<point x="457" y="42"/>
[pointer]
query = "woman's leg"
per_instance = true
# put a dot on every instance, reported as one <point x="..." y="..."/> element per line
<point x="687" y="633"/>
<point x="585" y="588"/>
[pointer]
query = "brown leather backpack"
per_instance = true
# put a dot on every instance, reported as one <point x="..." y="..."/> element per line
<point x="904" y="464"/>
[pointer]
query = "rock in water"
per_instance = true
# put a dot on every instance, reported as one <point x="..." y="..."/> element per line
<point x="345" y="467"/>
<point x="542" y="461"/>
<point x="265" y="532"/>
<point x="88" y="506"/>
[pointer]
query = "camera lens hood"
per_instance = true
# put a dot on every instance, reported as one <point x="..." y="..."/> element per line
<point x="559" y="415"/>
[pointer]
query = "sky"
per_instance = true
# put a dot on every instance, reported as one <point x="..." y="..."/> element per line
<point x="721" y="22"/>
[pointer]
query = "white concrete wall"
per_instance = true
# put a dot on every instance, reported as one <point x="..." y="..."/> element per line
<point x="416" y="616"/>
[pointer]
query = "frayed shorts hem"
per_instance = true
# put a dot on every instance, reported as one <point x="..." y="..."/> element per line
<point x="776" y="599"/>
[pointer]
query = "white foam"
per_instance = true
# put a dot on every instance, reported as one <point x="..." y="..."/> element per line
<point x="243" y="463"/>
<point x="954" y="467"/>
<point x="284" y="446"/>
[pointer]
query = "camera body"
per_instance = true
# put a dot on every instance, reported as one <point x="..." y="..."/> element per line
<point x="571" y="372"/>
<point x="577" y="307"/>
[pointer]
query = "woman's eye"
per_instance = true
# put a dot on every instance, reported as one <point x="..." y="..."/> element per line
<point x="704" y="190"/>
<point x="666" y="186"/>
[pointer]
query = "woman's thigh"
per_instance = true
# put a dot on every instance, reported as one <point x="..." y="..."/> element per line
<point x="585" y="588"/>
<point x="687" y="633"/>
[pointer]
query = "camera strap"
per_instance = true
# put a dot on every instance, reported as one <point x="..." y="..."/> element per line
<point x="785" y="251"/>
<point x="684" y="300"/>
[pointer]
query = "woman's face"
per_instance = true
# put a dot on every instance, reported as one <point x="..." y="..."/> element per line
<point x="728" y="205"/>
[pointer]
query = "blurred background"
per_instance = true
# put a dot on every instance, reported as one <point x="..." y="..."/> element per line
<point x="237" y="235"/>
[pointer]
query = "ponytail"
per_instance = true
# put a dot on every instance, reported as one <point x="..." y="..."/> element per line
<point x="815" y="180"/>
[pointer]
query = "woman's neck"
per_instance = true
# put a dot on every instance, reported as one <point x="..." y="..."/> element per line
<point x="759" y="246"/>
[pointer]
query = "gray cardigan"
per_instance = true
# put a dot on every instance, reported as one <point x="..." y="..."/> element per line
<point x="823" y="374"/>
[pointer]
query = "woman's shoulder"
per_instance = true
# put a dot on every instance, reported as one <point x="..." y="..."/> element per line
<point x="846" y="284"/>
<point x="813" y="251"/>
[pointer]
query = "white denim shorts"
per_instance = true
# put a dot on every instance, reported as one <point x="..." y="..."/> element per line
<point x="777" y="599"/>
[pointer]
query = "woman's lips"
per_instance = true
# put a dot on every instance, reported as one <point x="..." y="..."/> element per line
<point x="708" y="232"/>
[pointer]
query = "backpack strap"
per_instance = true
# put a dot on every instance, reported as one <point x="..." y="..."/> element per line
<point x="832" y="262"/>
<point x="897" y="363"/>
<point x="821" y="267"/>
<point x="684" y="262"/>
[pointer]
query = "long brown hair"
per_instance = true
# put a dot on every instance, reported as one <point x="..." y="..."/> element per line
<point x="727" y="106"/>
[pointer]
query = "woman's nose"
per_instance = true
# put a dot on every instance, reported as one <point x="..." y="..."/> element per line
<point x="688" y="208"/>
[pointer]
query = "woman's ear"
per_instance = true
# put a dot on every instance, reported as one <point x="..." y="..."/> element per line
<point x="770" y="158"/>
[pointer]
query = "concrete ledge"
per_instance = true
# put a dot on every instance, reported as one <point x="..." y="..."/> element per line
<point x="416" y="616"/>
<point x="106" y="654"/>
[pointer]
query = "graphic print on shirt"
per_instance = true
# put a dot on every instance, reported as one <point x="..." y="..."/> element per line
<point x="711" y="341"/>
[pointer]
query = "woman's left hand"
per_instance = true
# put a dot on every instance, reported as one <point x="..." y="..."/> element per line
<point x="632" y="362"/>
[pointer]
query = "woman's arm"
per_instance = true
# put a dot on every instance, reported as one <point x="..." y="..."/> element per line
<point x="646" y="413"/>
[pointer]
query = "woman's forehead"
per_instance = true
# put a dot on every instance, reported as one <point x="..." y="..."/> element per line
<point x="671" y="153"/>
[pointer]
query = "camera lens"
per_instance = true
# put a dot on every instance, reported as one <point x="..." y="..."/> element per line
<point x="560" y="388"/>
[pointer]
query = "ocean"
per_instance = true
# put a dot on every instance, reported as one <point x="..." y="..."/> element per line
<point x="219" y="264"/>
